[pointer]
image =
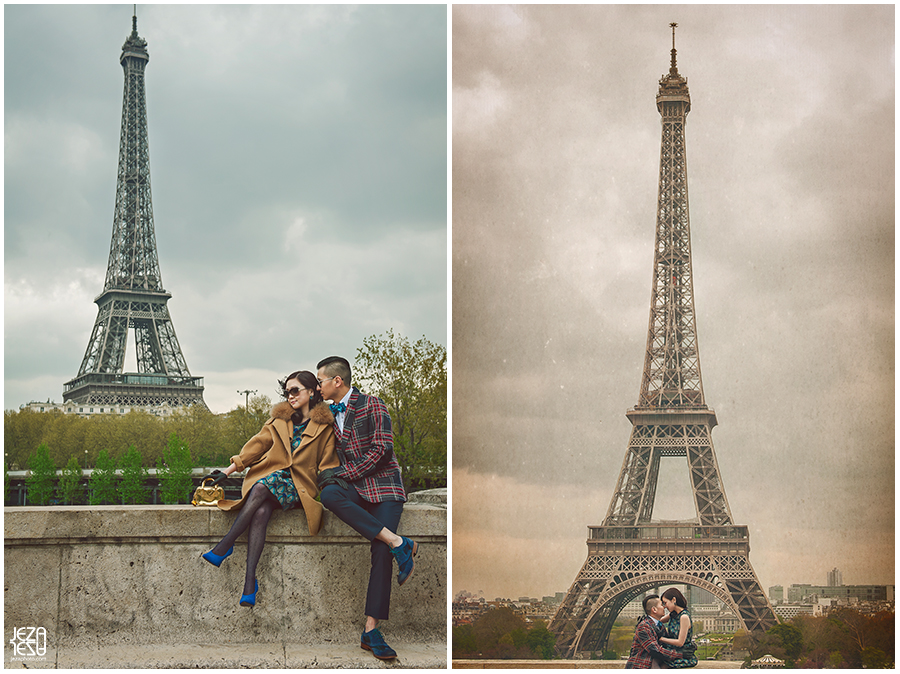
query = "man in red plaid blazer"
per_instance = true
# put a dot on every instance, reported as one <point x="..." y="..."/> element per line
<point x="366" y="491"/>
<point x="646" y="653"/>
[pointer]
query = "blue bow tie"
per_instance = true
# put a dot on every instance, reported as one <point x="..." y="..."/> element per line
<point x="337" y="408"/>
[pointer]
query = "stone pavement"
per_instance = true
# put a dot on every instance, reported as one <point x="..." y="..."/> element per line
<point x="238" y="656"/>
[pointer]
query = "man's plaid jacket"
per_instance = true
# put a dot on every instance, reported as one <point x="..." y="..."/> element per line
<point x="646" y="646"/>
<point x="366" y="450"/>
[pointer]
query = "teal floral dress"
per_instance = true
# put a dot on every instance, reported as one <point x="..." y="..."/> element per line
<point x="672" y="627"/>
<point x="280" y="483"/>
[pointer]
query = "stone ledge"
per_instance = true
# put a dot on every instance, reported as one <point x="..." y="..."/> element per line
<point x="53" y="525"/>
<point x="102" y="579"/>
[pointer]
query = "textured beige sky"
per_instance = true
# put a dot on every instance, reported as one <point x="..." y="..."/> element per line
<point x="791" y="183"/>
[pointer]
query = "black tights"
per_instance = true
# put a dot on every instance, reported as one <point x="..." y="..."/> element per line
<point x="255" y="514"/>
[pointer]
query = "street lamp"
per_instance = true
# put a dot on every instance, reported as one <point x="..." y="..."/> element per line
<point x="246" y="399"/>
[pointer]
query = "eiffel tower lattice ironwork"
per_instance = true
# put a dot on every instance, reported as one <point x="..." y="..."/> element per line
<point x="133" y="296"/>
<point x="630" y="554"/>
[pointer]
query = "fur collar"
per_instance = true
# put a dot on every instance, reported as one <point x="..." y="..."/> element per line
<point x="321" y="413"/>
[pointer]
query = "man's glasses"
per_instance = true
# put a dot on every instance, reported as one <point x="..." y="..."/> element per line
<point x="293" y="393"/>
<point x="322" y="381"/>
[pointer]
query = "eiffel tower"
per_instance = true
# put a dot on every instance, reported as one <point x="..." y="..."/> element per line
<point x="133" y="294"/>
<point x="631" y="554"/>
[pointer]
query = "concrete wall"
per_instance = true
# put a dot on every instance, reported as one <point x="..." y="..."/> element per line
<point x="106" y="576"/>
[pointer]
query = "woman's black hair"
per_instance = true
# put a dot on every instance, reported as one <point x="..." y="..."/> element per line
<point x="308" y="381"/>
<point x="674" y="594"/>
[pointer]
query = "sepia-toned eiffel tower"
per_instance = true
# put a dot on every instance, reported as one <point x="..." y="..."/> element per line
<point x="133" y="296"/>
<point x="631" y="554"/>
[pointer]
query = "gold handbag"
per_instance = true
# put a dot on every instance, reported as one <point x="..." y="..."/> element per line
<point x="208" y="495"/>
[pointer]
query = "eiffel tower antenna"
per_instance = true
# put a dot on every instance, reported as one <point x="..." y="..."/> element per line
<point x="631" y="554"/>
<point x="133" y="296"/>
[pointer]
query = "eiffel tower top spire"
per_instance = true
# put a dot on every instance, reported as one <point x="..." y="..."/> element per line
<point x="135" y="45"/>
<point x="673" y="69"/>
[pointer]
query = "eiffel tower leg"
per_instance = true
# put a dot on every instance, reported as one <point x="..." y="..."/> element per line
<point x="709" y="495"/>
<point x="106" y="348"/>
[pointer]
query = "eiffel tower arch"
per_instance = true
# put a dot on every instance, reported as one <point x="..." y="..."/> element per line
<point x="631" y="553"/>
<point x="133" y="297"/>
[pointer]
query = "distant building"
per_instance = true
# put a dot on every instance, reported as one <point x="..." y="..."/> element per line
<point x="823" y="606"/>
<point x="776" y="594"/>
<point x="90" y="410"/>
<point x="697" y="596"/>
<point x="791" y="611"/>
<point x="850" y="594"/>
<point x="835" y="578"/>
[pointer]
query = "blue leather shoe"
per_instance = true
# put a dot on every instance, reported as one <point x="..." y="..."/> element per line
<point x="373" y="641"/>
<point x="215" y="559"/>
<point x="250" y="599"/>
<point x="404" y="554"/>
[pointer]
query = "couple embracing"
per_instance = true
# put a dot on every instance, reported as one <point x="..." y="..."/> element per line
<point x="342" y="453"/>
<point x="663" y="640"/>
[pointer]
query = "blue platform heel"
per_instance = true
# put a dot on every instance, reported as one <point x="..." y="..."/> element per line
<point x="250" y="599"/>
<point x="214" y="559"/>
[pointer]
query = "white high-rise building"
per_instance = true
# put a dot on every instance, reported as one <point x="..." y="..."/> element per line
<point x="835" y="578"/>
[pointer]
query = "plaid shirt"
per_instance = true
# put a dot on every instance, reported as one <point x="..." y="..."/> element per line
<point x="646" y="646"/>
<point x="366" y="450"/>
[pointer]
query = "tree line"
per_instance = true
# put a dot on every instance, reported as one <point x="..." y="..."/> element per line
<point x="845" y="638"/>
<point x="410" y="377"/>
<point x="500" y="633"/>
<point x="113" y="481"/>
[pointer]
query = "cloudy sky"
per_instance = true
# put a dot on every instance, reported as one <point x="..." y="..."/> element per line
<point x="790" y="143"/>
<point x="298" y="159"/>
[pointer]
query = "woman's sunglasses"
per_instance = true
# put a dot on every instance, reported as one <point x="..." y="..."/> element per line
<point x="293" y="393"/>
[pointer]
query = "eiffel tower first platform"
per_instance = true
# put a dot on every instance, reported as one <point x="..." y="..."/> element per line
<point x="631" y="554"/>
<point x="133" y="296"/>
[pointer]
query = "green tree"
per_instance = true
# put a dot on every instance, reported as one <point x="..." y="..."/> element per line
<point x="131" y="487"/>
<point x="790" y="638"/>
<point x="6" y="481"/>
<point x="464" y="642"/>
<point x="102" y="481"/>
<point x="174" y="471"/>
<point x="874" y="658"/>
<point x="239" y="425"/>
<point x="411" y="379"/>
<point x="22" y="434"/>
<point x="69" y="489"/>
<point x="202" y="431"/>
<point x="492" y="625"/>
<point x="540" y="640"/>
<point x="42" y="477"/>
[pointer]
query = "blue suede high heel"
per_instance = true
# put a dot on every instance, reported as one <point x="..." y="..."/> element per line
<point x="215" y="559"/>
<point x="250" y="599"/>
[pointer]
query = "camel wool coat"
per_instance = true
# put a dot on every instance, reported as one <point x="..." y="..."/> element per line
<point x="269" y="451"/>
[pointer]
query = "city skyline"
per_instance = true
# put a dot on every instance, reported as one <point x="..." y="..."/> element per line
<point x="555" y="167"/>
<point x="540" y="595"/>
<point x="298" y="157"/>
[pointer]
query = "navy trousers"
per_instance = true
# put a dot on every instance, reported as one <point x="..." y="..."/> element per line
<point x="369" y="519"/>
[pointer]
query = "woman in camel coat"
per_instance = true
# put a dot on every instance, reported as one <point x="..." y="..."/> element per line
<point x="283" y="460"/>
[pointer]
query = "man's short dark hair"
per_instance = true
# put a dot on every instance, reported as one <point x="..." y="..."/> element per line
<point x="335" y="366"/>
<point x="647" y="601"/>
